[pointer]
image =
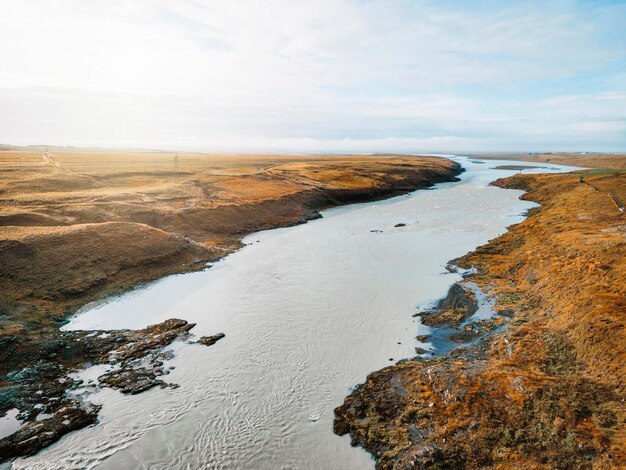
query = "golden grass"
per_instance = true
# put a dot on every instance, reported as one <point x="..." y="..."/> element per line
<point x="124" y="217"/>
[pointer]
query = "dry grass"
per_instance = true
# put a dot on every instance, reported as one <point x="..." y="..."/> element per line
<point x="77" y="224"/>
<point x="586" y="160"/>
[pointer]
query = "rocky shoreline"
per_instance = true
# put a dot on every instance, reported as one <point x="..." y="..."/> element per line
<point x="542" y="383"/>
<point x="49" y="400"/>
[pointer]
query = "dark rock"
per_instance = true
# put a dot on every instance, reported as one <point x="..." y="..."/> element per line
<point x="210" y="340"/>
<point x="313" y="215"/>
<point x="464" y="336"/>
<point x="35" y="435"/>
<point x="400" y="225"/>
<point x="132" y="381"/>
<point x="41" y="386"/>
<point x="506" y="312"/>
<point x="452" y="310"/>
<point x="459" y="297"/>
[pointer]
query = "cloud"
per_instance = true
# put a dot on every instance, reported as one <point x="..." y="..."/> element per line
<point x="353" y="74"/>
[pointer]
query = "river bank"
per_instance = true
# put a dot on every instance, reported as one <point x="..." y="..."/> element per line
<point x="548" y="390"/>
<point x="614" y="161"/>
<point x="78" y="227"/>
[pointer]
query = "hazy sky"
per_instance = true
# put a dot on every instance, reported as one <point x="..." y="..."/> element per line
<point x="322" y="75"/>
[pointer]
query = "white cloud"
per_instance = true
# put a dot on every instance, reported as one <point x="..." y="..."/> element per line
<point x="331" y="72"/>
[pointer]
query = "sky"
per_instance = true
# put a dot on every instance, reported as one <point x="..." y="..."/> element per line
<point x="321" y="76"/>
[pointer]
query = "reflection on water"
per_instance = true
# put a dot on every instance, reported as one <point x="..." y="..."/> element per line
<point x="9" y="423"/>
<point x="308" y="312"/>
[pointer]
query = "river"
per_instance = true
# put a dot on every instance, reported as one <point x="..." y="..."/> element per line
<point x="308" y="312"/>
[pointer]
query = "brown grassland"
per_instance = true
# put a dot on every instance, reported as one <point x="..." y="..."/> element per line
<point x="586" y="160"/>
